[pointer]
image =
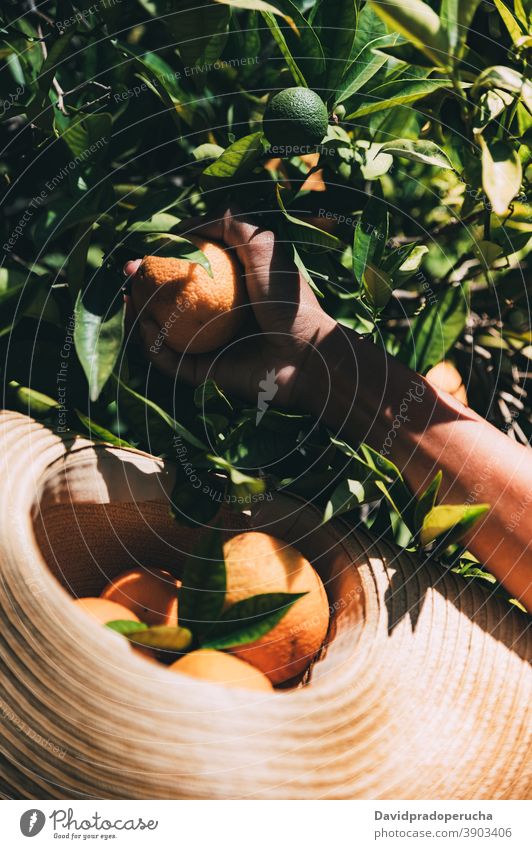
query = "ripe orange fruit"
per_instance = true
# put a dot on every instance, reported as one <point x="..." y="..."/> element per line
<point x="104" y="610"/>
<point x="221" y="668"/>
<point x="258" y="563"/>
<point x="446" y="377"/>
<point x="150" y="595"/>
<point x="196" y="312"/>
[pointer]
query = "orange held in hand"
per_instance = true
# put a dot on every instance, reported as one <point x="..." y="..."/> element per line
<point x="196" y="312"/>
<point x="220" y="668"/>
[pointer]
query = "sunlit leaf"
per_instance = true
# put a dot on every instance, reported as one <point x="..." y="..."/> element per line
<point x="371" y="234"/>
<point x="99" y="330"/>
<point x="235" y="162"/>
<point x="450" y="521"/>
<point x="437" y="327"/>
<point x="419" y="150"/>
<point x="396" y="93"/>
<point x="501" y="174"/>
<point x="164" y="637"/>
<point x="377" y="286"/>
<point x="427" y="500"/>
<point x="419" y="24"/>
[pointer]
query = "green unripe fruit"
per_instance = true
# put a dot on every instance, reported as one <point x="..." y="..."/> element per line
<point x="295" y="117"/>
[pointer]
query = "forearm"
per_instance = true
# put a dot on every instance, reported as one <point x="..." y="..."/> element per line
<point x="368" y="396"/>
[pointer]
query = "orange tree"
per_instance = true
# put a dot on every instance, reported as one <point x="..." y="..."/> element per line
<point x="410" y="217"/>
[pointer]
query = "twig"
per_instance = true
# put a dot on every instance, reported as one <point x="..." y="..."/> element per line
<point x="36" y="11"/>
<point x="396" y="241"/>
<point x="59" y="91"/>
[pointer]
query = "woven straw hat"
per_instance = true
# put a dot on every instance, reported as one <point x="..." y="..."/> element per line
<point x="424" y="689"/>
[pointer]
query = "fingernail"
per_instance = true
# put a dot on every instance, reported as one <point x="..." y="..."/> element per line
<point x="131" y="267"/>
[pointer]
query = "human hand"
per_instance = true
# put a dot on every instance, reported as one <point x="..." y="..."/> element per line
<point x="284" y="336"/>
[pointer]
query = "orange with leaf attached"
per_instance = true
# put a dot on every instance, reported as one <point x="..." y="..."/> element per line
<point x="258" y="563"/>
<point x="194" y="311"/>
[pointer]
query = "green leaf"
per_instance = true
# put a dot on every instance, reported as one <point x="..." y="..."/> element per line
<point x="450" y="521"/>
<point x="437" y="327"/>
<point x="456" y="17"/>
<point x="170" y="422"/>
<point x="250" y="619"/>
<point x="280" y="40"/>
<point x="507" y="79"/>
<point x="241" y="485"/>
<point x="396" y="93"/>
<point x="165" y="637"/>
<point x="370" y="27"/>
<point x="427" y="500"/>
<point x="364" y="66"/>
<point x="29" y="401"/>
<point x="202" y="594"/>
<point x="196" y="507"/>
<point x="397" y="491"/>
<point x="259" y="6"/>
<point x="171" y="245"/>
<point x="380" y="463"/>
<point x="510" y="22"/>
<point x="158" y="76"/>
<point x="161" y="223"/>
<point x="99" y="330"/>
<point x="148" y="207"/>
<point x="335" y="23"/>
<point x="413" y="260"/>
<point x="419" y="24"/>
<point x="207" y="151"/>
<point x="126" y="626"/>
<point x="419" y="150"/>
<point x="377" y="286"/>
<point x="519" y="10"/>
<point x="487" y="251"/>
<point x="88" y="137"/>
<point x="348" y="495"/>
<point x="235" y="162"/>
<point x="299" y="45"/>
<point x="200" y="31"/>
<point x="375" y="164"/>
<point x="209" y="395"/>
<point x="305" y="235"/>
<point x="364" y="61"/>
<point x="370" y="238"/>
<point x="96" y="431"/>
<point x="18" y="289"/>
<point x="502" y="174"/>
<point x="468" y="570"/>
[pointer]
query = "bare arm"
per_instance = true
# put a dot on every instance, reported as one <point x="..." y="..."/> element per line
<point x="367" y="390"/>
<point x="358" y="390"/>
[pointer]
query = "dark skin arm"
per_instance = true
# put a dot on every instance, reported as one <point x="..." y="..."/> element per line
<point x="357" y="390"/>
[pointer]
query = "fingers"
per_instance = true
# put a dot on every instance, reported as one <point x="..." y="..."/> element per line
<point x="189" y="368"/>
<point x="155" y="349"/>
<point x="256" y="247"/>
<point x="131" y="267"/>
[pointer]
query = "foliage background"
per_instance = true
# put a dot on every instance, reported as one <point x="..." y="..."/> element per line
<point x="122" y="119"/>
